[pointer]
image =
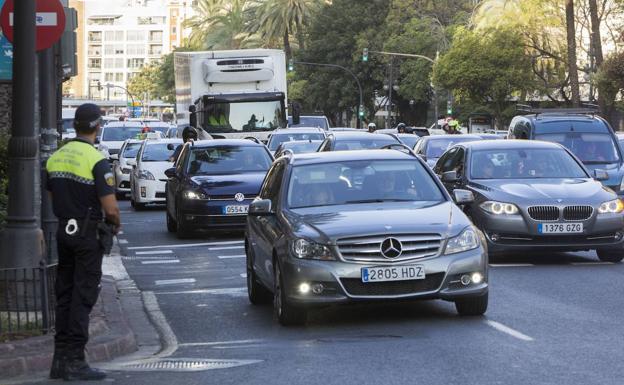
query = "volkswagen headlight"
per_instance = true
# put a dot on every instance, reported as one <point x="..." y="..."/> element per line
<point x="499" y="208"/>
<point x="194" y="195"/>
<point x="467" y="240"/>
<point x="611" y="207"/>
<point x="144" y="174"/>
<point x="305" y="249"/>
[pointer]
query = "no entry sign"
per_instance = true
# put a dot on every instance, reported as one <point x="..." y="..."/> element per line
<point x="50" y="21"/>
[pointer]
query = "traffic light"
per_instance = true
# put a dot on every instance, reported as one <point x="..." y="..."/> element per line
<point x="365" y="55"/>
<point x="291" y="65"/>
<point x="361" y="111"/>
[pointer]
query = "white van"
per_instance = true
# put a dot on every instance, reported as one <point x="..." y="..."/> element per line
<point x="68" y="131"/>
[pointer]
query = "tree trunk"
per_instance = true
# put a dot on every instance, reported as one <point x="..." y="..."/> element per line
<point x="300" y="37"/>
<point x="572" y="66"/>
<point x="287" y="45"/>
<point x="596" y="51"/>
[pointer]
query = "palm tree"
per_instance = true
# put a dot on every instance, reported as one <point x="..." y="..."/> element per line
<point x="202" y="21"/>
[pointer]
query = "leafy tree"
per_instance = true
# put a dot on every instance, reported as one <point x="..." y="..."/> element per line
<point x="485" y="68"/>
<point x="165" y="87"/>
<point x="610" y="80"/>
<point x="145" y="82"/>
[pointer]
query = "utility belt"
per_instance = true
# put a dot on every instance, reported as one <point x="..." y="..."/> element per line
<point x="82" y="228"/>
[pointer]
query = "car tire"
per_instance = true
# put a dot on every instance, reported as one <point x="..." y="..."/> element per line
<point x="606" y="255"/>
<point x="258" y="294"/>
<point x="472" y="306"/>
<point x="137" y="206"/>
<point x="172" y="225"/>
<point x="182" y="229"/>
<point x="286" y="313"/>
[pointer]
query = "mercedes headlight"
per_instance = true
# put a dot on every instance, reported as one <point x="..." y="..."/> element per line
<point x="467" y="240"/>
<point x="305" y="249"/>
<point x="144" y="174"/>
<point x="499" y="208"/>
<point x="611" y="207"/>
<point x="194" y="195"/>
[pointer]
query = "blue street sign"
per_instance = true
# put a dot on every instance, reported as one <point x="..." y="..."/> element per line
<point x="6" y="55"/>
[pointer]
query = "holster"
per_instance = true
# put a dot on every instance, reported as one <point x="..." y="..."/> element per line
<point x="105" y="233"/>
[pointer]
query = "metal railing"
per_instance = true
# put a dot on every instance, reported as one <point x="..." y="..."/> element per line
<point x="27" y="299"/>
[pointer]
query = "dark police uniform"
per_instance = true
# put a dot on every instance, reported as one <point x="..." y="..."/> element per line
<point x="78" y="175"/>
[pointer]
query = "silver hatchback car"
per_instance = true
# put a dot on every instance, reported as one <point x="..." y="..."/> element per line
<point x="346" y="226"/>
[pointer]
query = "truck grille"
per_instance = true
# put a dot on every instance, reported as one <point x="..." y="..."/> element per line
<point x="368" y="248"/>
<point x="577" y="213"/>
<point x="355" y="286"/>
<point x="544" y="213"/>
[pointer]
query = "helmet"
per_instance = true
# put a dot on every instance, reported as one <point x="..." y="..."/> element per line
<point x="372" y="125"/>
<point x="401" y="127"/>
<point x="189" y="133"/>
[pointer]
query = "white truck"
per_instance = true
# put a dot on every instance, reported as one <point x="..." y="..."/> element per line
<point x="231" y="94"/>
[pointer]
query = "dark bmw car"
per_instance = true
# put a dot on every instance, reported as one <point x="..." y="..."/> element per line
<point x="348" y="226"/>
<point x="431" y="148"/>
<point x="356" y="140"/>
<point x="213" y="183"/>
<point x="535" y="195"/>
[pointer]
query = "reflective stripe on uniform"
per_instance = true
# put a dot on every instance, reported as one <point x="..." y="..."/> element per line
<point x="75" y="161"/>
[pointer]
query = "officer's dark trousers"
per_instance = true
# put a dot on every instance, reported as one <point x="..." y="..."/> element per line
<point x="77" y="288"/>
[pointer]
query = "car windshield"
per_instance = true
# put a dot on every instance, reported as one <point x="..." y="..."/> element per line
<point x="361" y="181"/>
<point x="309" y="121"/>
<point x="588" y="147"/>
<point x="119" y="134"/>
<point x="363" y="143"/>
<point x="156" y="152"/>
<point x="301" y="147"/>
<point x="277" y="139"/>
<point x="228" y="159"/>
<point x="131" y="149"/>
<point x="524" y="164"/>
<point x="161" y="129"/>
<point x="243" y="116"/>
<point x="438" y="146"/>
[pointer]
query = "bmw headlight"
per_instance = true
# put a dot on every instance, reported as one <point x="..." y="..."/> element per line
<point x="144" y="174"/>
<point x="499" y="208"/>
<point x="467" y="240"/>
<point x="611" y="207"/>
<point x="194" y="195"/>
<point x="305" y="249"/>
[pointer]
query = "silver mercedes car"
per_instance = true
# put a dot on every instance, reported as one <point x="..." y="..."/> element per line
<point x="346" y="226"/>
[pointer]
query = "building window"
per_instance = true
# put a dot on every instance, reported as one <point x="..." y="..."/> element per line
<point x="109" y="76"/>
<point x="119" y="77"/>
<point x="131" y="75"/>
<point x="95" y="63"/>
<point x="136" y="49"/>
<point x="95" y="50"/>
<point x="94" y="76"/>
<point x="136" y="62"/>
<point x="151" y="20"/>
<point x="174" y="30"/>
<point x="135" y="36"/>
<point x="95" y="36"/>
<point x="101" y="21"/>
<point x="114" y="35"/>
<point x="156" y="36"/>
<point x="155" y="50"/>
<point x="119" y="63"/>
<point x="109" y="62"/>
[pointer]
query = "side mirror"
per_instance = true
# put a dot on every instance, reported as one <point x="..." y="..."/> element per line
<point x="170" y="172"/>
<point x="450" y="177"/>
<point x="261" y="207"/>
<point x="114" y="157"/>
<point x="601" y="175"/>
<point x="463" y="197"/>
<point x="170" y="147"/>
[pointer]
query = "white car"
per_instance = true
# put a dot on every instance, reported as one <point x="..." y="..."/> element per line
<point x="114" y="134"/>
<point x="123" y="164"/>
<point x="148" y="180"/>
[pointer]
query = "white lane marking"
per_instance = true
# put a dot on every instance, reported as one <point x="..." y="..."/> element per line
<point x="217" y="343"/>
<point x="122" y="241"/>
<point x="507" y="330"/>
<point x="226" y="248"/>
<point x="591" y="263"/>
<point x="154" y="252"/>
<point x="244" y="275"/>
<point x="132" y="258"/>
<point x="185" y="245"/>
<point x="174" y="281"/>
<point x="155" y="262"/>
<point x="227" y="290"/>
<point x="511" y="265"/>
<point x="231" y="256"/>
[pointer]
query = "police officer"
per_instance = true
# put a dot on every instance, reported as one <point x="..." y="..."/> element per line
<point x="82" y="187"/>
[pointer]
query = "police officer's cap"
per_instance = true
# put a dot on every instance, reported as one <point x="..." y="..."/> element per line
<point x="88" y="113"/>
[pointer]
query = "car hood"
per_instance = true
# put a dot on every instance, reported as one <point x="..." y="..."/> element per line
<point x="157" y="168"/>
<point x="247" y="183"/>
<point x="542" y="191"/>
<point x="329" y="223"/>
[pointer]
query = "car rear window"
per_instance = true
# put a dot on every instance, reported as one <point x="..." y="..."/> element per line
<point x="119" y="134"/>
<point x="277" y="139"/>
<point x="228" y="159"/>
<point x="157" y="152"/>
<point x="589" y="147"/>
<point x="363" y="143"/>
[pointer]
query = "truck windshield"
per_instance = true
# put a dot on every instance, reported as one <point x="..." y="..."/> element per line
<point x="243" y="116"/>
<point x="589" y="147"/>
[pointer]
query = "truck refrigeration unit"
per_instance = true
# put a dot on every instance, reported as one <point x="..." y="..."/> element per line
<point x="231" y="94"/>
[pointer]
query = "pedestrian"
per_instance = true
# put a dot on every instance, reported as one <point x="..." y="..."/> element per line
<point x="188" y="133"/>
<point x="81" y="184"/>
<point x="372" y="127"/>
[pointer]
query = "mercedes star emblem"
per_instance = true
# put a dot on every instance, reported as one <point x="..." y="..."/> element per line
<point x="239" y="197"/>
<point x="391" y="248"/>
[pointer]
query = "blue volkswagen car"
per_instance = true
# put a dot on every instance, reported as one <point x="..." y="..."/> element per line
<point x="213" y="183"/>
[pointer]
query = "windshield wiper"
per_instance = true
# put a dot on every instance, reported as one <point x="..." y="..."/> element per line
<point x="379" y="200"/>
<point x="599" y="161"/>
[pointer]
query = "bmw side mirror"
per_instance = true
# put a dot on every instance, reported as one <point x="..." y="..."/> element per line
<point x="463" y="197"/>
<point x="601" y="175"/>
<point x="170" y="172"/>
<point x="450" y="177"/>
<point x="261" y="207"/>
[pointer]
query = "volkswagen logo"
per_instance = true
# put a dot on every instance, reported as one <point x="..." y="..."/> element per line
<point x="391" y="248"/>
<point x="239" y="197"/>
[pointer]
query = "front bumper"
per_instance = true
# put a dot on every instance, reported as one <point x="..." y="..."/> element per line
<point x="149" y="191"/>
<point x="342" y="280"/>
<point x="122" y="181"/>
<point x="209" y="214"/>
